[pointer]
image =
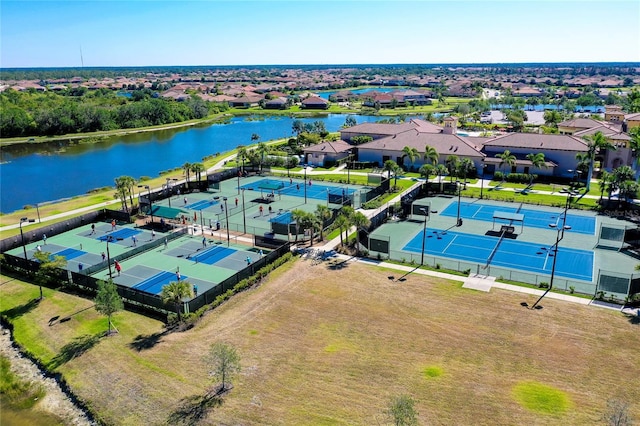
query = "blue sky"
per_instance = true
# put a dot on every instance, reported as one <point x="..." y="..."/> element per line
<point x="141" y="33"/>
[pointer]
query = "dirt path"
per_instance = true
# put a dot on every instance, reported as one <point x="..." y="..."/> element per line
<point x="55" y="402"/>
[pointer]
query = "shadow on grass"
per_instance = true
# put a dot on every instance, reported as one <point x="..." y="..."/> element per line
<point x="633" y="319"/>
<point x="18" y="311"/>
<point x="141" y="342"/>
<point x="195" y="408"/>
<point x="74" y="349"/>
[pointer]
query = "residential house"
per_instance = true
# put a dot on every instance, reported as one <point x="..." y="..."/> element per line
<point x="315" y="102"/>
<point x="326" y="154"/>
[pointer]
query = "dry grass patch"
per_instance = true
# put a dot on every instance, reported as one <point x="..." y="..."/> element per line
<point x="321" y="346"/>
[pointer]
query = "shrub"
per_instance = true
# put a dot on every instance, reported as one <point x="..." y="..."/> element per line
<point x="543" y="284"/>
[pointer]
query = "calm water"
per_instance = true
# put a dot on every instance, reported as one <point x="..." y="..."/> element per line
<point x="326" y="95"/>
<point x="38" y="173"/>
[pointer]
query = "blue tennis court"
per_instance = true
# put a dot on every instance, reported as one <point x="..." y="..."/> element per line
<point x="201" y="205"/>
<point x="297" y="189"/>
<point x="532" y="257"/>
<point x="155" y="283"/>
<point x="69" y="253"/>
<point x="120" y="234"/>
<point x="532" y="218"/>
<point x="212" y="255"/>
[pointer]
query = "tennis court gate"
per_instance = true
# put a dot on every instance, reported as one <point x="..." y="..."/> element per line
<point x="618" y="237"/>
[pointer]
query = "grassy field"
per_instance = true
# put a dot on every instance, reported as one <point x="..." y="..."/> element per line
<point x="323" y="346"/>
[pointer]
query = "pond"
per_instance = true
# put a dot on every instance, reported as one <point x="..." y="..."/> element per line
<point x="36" y="173"/>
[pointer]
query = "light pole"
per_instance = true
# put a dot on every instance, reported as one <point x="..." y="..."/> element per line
<point x="226" y="215"/>
<point x="554" y="250"/>
<point x="484" y="166"/>
<point x="458" y="220"/>
<point x="425" y="212"/>
<point x="305" y="184"/>
<point x="169" y="180"/>
<point x="23" y="220"/>
<point x="244" y="216"/>
<point x="239" y="173"/>
<point x="348" y="174"/>
<point x="108" y="240"/>
<point x="150" y="204"/>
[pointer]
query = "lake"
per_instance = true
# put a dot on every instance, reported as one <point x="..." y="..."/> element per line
<point x="38" y="173"/>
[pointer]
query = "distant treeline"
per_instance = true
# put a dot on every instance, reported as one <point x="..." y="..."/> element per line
<point x="557" y="70"/>
<point x="78" y="110"/>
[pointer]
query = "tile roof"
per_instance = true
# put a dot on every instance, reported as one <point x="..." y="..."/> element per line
<point x="332" y="147"/>
<point x="537" y="142"/>
<point x="380" y="128"/>
<point x="445" y="144"/>
<point x="583" y="123"/>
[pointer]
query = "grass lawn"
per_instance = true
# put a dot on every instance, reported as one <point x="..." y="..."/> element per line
<point x="323" y="346"/>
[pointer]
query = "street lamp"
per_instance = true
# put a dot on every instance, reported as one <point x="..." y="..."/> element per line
<point x="23" y="220"/>
<point x="554" y="249"/>
<point x="305" y="184"/>
<point x="244" y="216"/>
<point x="226" y="215"/>
<point x="348" y="174"/>
<point x="458" y="220"/>
<point x="108" y="240"/>
<point x="484" y="166"/>
<point x="169" y="180"/>
<point x="150" y="204"/>
<point x="425" y="212"/>
<point x="239" y="173"/>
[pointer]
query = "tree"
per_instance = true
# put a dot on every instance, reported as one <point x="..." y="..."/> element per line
<point x="506" y="158"/>
<point x="224" y="362"/>
<point x="596" y="143"/>
<point x="431" y="155"/>
<point x="187" y="169"/>
<point x="122" y="191"/>
<point x="350" y="121"/>
<point x="464" y="167"/>
<point x="389" y="166"/>
<point x="298" y="127"/>
<point x="255" y="137"/>
<point x="299" y="216"/>
<point x="427" y="170"/>
<point x="359" y="140"/>
<point x="174" y="292"/>
<point x="197" y="169"/>
<point x="552" y="118"/>
<point x="410" y="153"/>
<point x="359" y="221"/>
<point x="516" y="117"/>
<point x="634" y="144"/>
<point x="242" y="155"/>
<point x="401" y="411"/>
<point x="262" y="150"/>
<point x="342" y="223"/>
<point x="108" y="301"/>
<point x="451" y="163"/>
<point x="323" y="213"/>
<point x="617" y="413"/>
<point x="48" y="265"/>
<point x="603" y="183"/>
<point x="537" y="162"/>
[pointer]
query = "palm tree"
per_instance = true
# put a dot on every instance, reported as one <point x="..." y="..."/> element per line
<point x="342" y="223"/>
<point x="464" y="167"/>
<point x="174" y="292"/>
<point x="583" y="161"/>
<point x="298" y="216"/>
<point x="537" y="162"/>
<point x="605" y="180"/>
<point x="452" y="164"/>
<point x="322" y="214"/>
<point x="242" y="155"/>
<point x="197" y="169"/>
<point x="427" y="170"/>
<point x="262" y="150"/>
<point x="431" y="154"/>
<point x="359" y="221"/>
<point x="389" y="167"/>
<point x="506" y="158"/>
<point x="122" y="191"/>
<point x="187" y="169"/>
<point x="410" y="153"/>
<point x="595" y="143"/>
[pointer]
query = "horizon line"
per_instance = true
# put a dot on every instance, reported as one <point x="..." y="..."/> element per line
<point x="341" y="65"/>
